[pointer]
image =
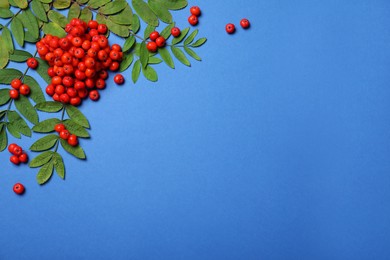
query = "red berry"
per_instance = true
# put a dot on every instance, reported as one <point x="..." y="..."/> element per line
<point x="175" y="32"/>
<point x="114" y="66"/>
<point x="50" y="90"/>
<point x="154" y="35"/>
<point x="160" y="41"/>
<point x="64" y="134"/>
<point x="73" y="140"/>
<point x="193" y="20"/>
<point x="94" y="95"/>
<point x="17" y="150"/>
<point x="32" y="63"/>
<point x="116" y="47"/>
<point x="100" y="83"/>
<point x="14" y="94"/>
<point x="24" y="90"/>
<point x="59" y="127"/>
<point x="93" y="24"/>
<point x="11" y="148"/>
<point x="244" y="23"/>
<point x="102" y="28"/>
<point x="60" y="89"/>
<point x="230" y="28"/>
<point x="119" y="79"/>
<point x="75" y="101"/>
<point x="14" y="159"/>
<point x="195" y="10"/>
<point x="151" y="46"/>
<point x="23" y="158"/>
<point x="64" y="98"/>
<point x="18" y="188"/>
<point x="16" y="83"/>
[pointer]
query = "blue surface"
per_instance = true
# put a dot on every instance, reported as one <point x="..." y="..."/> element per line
<point x="275" y="146"/>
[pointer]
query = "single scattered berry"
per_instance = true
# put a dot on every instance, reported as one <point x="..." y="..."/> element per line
<point x="244" y="23"/>
<point x="160" y="41"/>
<point x="151" y="46"/>
<point x="119" y="79"/>
<point x="14" y="94"/>
<point x="154" y="35"/>
<point x="195" y="10"/>
<point x="230" y="28"/>
<point x="14" y="159"/>
<point x="23" y="158"/>
<point x="18" y="188"/>
<point x="24" y="90"/>
<point x="175" y="32"/>
<point x="193" y="20"/>
<point x="73" y="140"/>
<point x="64" y="134"/>
<point x="16" y="83"/>
<point x="32" y="63"/>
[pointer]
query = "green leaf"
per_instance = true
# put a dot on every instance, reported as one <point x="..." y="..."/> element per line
<point x="148" y="30"/>
<point x="144" y="54"/>
<point x="181" y="37"/>
<point x="179" y="54"/>
<point x="49" y="106"/>
<point x="19" y="123"/>
<point x="191" y="37"/>
<point x="161" y="11"/>
<point x="46" y="1"/>
<point x="75" y="128"/>
<point x="75" y="114"/>
<point x="17" y="31"/>
<point x="53" y="29"/>
<point x="166" y="56"/>
<point x="46" y="126"/>
<point x="86" y="15"/>
<point x="113" y="7"/>
<point x="167" y="30"/>
<point x="59" y="165"/>
<point x="192" y="53"/>
<point x="150" y="73"/>
<point x="144" y="11"/>
<point x="94" y="4"/>
<point x="39" y="10"/>
<point x="199" y="42"/>
<point x="120" y="30"/>
<point x="42" y="70"/>
<point x="135" y="25"/>
<point x="30" y="22"/>
<point x="41" y="159"/>
<point x="76" y="151"/>
<point x="36" y="93"/>
<point x="154" y="60"/>
<point x="57" y="18"/>
<point x="129" y="43"/>
<point x="173" y="4"/>
<point x="5" y="13"/>
<point x="4" y="55"/>
<point x="74" y="11"/>
<point x="4" y="4"/>
<point x="7" y="75"/>
<point x="7" y="38"/>
<point x="126" y="62"/>
<point x="125" y="17"/>
<point x="3" y="138"/>
<point x="45" y="143"/>
<point x="45" y="173"/>
<point x="136" y="71"/>
<point x="26" y="109"/>
<point x="4" y="96"/>
<point x="22" y="4"/>
<point x="13" y="130"/>
<point x="20" y="56"/>
<point x="61" y="4"/>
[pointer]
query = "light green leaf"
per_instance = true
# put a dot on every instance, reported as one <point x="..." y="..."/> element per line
<point x="7" y="75"/>
<point x="5" y="13"/>
<point x="76" y="151"/>
<point x="150" y="73"/>
<point x="46" y="126"/>
<point x="120" y="30"/>
<point x="135" y="25"/>
<point x="20" y="56"/>
<point x="39" y="10"/>
<point x="26" y="109"/>
<point x="179" y="54"/>
<point x="4" y="96"/>
<point x="129" y="43"/>
<point x="167" y="30"/>
<point x="173" y="4"/>
<point x="136" y="71"/>
<point x="53" y="29"/>
<point x="199" y="42"/>
<point x="86" y="15"/>
<point x="191" y="37"/>
<point x="4" y="55"/>
<point x="74" y="11"/>
<point x="41" y="159"/>
<point x="125" y="17"/>
<point x="46" y="1"/>
<point x="148" y="30"/>
<point x="144" y="54"/>
<point x="7" y="38"/>
<point x="49" y="106"/>
<point x="144" y="11"/>
<point x="76" y="129"/>
<point x="161" y="11"/>
<point x="59" y="165"/>
<point x="154" y="60"/>
<point x="192" y="53"/>
<point x="19" y="123"/>
<point x="126" y="62"/>
<point x="57" y="18"/>
<point x="3" y="138"/>
<point x="181" y="37"/>
<point x="94" y="4"/>
<point x="42" y="70"/>
<point x="4" y="4"/>
<point x="45" y="173"/>
<point x="166" y="56"/>
<point x="45" y="143"/>
<point x="30" y="22"/>
<point x="36" y="93"/>
<point x="61" y="4"/>
<point x="113" y="7"/>
<point x="75" y="114"/>
<point x="17" y="31"/>
<point x="22" y="4"/>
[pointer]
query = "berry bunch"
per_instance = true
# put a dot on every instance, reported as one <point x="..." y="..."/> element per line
<point x="79" y="62"/>
<point x="195" y="13"/>
<point x="156" y="41"/>
<point x="231" y="28"/>
<point x="18" y="155"/>
<point x="66" y="135"/>
<point x="18" y="88"/>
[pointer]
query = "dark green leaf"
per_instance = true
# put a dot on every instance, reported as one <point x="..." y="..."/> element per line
<point x="86" y="15"/>
<point x="144" y="54"/>
<point x="120" y="30"/>
<point x="149" y="29"/>
<point x="22" y="4"/>
<point x="125" y="17"/>
<point x="46" y="126"/>
<point x="7" y="38"/>
<point x="42" y="70"/>
<point x="20" y="56"/>
<point x="61" y="4"/>
<point x="57" y="18"/>
<point x="166" y="56"/>
<point x="36" y="93"/>
<point x="53" y="29"/>
<point x="30" y="22"/>
<point x="192" y="54"/>
<point x="17" y="31"/>
<point x="7" y="75"/>
<point x="199" y="42"/>
<point x="128" y="43"/>
<point x="161" y="11"/>
<point x="45" y="143"/>
<point x="150" y="73"/>
<point x="75" y="114"/>
<point x="5" y="13"/>
<point x="181" y="37"/>
<point x="76" y="151"/>
<point x="19" y="123"/>
<point x="49" y="106"/>
<point x="41" y="159"/>
<point x="179" y="54"/>
<point x="144" y="11"/>
<point x="39" y="10"/>
<point x="26" y="109"/>
<point x="59" y="165"/>
<point x="4" y="55"/>
<point x="13" y="130"/>
<point x="135" y="25"/>
<point x="191" y="37"/>
<point x="126" y="62"/>
<point x="94" y="4"/>
<point x="45" y="173"/>
<point x="136" y="71"/>
<point x="74" y="11"/>
<point x="167" y="30"/>
<point x="4" y="96"/>
<point x="3" y="138"/>
<point x="113" y="7"/>
<point x="75" y="128"/>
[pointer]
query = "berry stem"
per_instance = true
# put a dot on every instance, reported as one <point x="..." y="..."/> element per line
<point x="136" y="35"/>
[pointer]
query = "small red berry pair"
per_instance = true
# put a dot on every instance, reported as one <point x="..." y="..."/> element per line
<point x="66" y="135"/>
<point x="19" y="188"/>
<point x="194" y="17"/>
<point x="18" y="155"/>
<point x="157" y="41"/>
<point x="18" y="88"/>
<point x="231" y="28"/>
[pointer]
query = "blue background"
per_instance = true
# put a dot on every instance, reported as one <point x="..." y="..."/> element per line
<point x="275" y="146"/>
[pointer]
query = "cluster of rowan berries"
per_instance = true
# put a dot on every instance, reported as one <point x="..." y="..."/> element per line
<point x="79" y="61"/>
<point x="195" y="13"/>
<point x="231" y="28"/>
<point x="158" y="41"/>
<point x="66" y="135"/>
<point x="18" y="88"/>
<point x="18" y="155"/>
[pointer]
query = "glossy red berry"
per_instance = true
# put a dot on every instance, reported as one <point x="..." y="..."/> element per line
<point x="64" y="134"/>
<point x="14" y="159"/>
<point x="23" y="158"/>
<point x="93" y="24"/>
<point x="11" y="147"/>
<point x="151" y="46"/>
<point x="102" y="28"/>
<point x="154" y="35"/>
<point x="244" y="23"/>
<point x="193" y="20"/>
<point x="16" y="83"/>
<point x="94" y="95"/>
<point x="17" y="150"/>
<point x="24" y="90"/>
<point x="18" y="188"/>
<point x="175" y="32"/>
<point x="73" y="140"/>
<point x="32" y="63"/>
<point x="160" y="41"/>
<point x="14" y="94"/>
<point x="195" y="10"/>
<point x="59" y="127"/>
<point x="119" y="79"/>
<point x="230" y="28"/>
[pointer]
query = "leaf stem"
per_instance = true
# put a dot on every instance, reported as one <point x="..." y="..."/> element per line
<point x="136" y="35"/>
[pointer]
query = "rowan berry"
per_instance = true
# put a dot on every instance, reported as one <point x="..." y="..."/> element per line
<point x="86" y="45"/>
<point x="18" y="188"/>
<point x="79" y="75"/>
<point x="11" y="147"/>
<point x="102" y="55"/>
<point x="102" y="28"/>
<point x="93" y="24"/>
<point x="66" y="58"/>
<point x="114" y="66"/>
<point x="32" y="63"/>
<point x="90" y="73"/>
<point x="82" y="93"/>
<point x="103" y="42"/>
<point x="114" y="55"/>
<point x="89" y="83"/>
<point x="193" y="20"/>
<point x="175" y="32"/>
<point x="59" y="89"/>
<point x="79" y="53"/>
<point x="68" y="81"/>
<point x="23" y="158"/>
<point x="59" y="127"/>
<point x="17" y="150"/>
<point x="14" y="94"/>
<point x="195" y="10"/>
<point x="154" y="35"/>
<point x="73" y="140"/>
<point x="119" y="79"/>
<point x="92" y="53"/>
<point x="244" y="23"/>
<point x="50" y="90"/>
<point x="94" y="95"/>
<point x="56" y="80"/>
<point x="14" y="159"/>
<point x="151" y="46"/>
<point x="16" y="83"/>
<point x="79" y="85"/>
<point x="64" y="98"/>
<point x="24" y="90"/>
<point x="71" y="92"/>
<point x="64" y="43"/>
<point x="75" y="101"/>
<point x="116" y="47"/>
<point x="56" y="97"/>
<point x="64" y="134"/>
<point x="50" y="72"/>
<point x="68" y="69"/>
<point x="103" y="74"/>
<point x="93" y="32"/>
<point x="100" y="83"/>
<point x="160" y="41"/>
<point x="230" y="28"/>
